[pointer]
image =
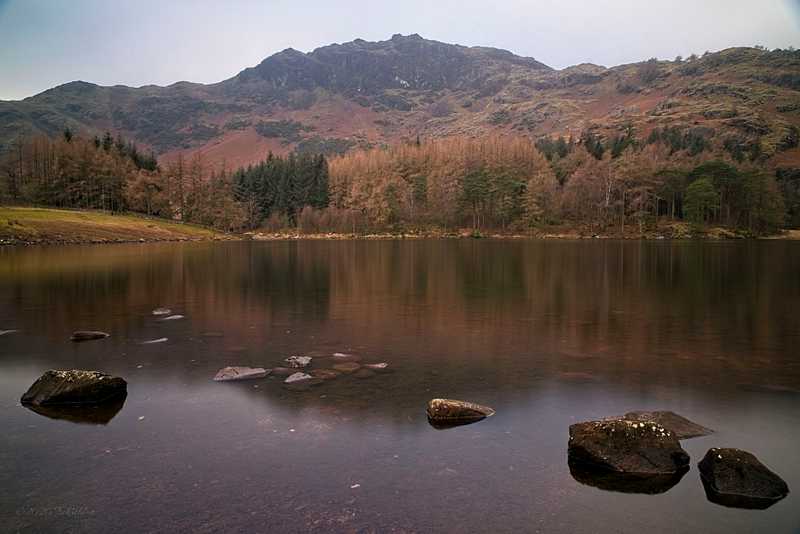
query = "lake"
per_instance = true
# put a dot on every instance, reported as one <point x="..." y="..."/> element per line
<point x="548" y="333"/>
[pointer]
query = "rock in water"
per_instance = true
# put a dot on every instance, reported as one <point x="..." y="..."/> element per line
<point x="679" y="425"/>
<point x="443" y="413"/>
<point x="172" y="318"/>
<point x="736" y="478"/>
<point x="340" y="357"/>
<point x="6" y="332"/>
<point x="229" y="374"/>
<point x="627" y="446"/>
<point x="155" y="341"/>
<point x="297" y="377"/>
<point x="376" y="366"/>
<point x="162" y="311"/>
<point x="88" y="335"/>
<point x="74" y="387"/>
<point x="347" y="367"/>
<point x="298" y="362"/>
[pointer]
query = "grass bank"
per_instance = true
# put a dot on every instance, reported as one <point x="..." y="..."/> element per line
<point x="24" y="225"/>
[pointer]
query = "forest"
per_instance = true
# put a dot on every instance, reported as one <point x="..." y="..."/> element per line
<point x="619" y="186"/>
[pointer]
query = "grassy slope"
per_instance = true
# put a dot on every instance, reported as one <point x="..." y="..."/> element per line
<point x="67" y="226"/>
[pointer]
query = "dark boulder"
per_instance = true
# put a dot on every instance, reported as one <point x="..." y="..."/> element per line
<point x="445" y="413"/>
<point x="88" y="335"/>
<point x="679" y="425"/>
<point x="735" y="478"/>
<point x="626" y="446"/>
<point x="74" y="387"/>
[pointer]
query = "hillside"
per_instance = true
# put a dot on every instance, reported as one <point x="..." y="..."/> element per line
<point x="741" y="100"/>
<point x="37" y="225"/>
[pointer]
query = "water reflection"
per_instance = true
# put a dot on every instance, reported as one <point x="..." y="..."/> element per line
<point x="621" y="482"/>
<point x="89" y="414"/>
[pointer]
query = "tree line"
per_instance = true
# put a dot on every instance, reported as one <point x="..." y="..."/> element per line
<point x="616" y="185"/>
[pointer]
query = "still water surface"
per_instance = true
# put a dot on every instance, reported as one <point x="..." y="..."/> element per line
<point x="547" y="333"/>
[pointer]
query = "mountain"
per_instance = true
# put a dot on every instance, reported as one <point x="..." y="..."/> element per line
<point x="365" y="93"/>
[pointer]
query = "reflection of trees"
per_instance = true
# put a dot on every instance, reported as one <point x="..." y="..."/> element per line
<point x="486" y="313"/>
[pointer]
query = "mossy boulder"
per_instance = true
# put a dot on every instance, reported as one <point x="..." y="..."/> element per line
<point x="627" y="446"/>
<point x="74" y="387"/>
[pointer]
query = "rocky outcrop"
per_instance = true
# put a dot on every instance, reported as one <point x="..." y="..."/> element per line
<point x="74" y="387"/>
<point x="230" y="374"/>
<point x="677" y="424"/>
<point x="298" y="362"/>
<point x="88" y="335"/>
<point x="627" y="446"/>
<point x="736" y="478"/>
<point x="443" y="413"/>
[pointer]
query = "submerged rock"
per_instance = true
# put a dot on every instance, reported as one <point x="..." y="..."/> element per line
<point x="340" y="357"/>
<point x="736" y="478"/>
<point x="162" y="311"/>
<point x="6" y="332"/>
<point x="677" y="424"/>
<point x="229" y="374"/>
<point x="172" y="318"/>
<point x="443" y="413"/>
<point x="347" y="367"/>
<point x="154" y="341"/>
<point x="88" y="335"/>
<point x="297" y="377"/>
<point x="325" y="374"/>
<point x="298" y="362"/>
<point x="74" y="387"/>
<point x="364" y="373"/>
<point x="91" y="414"/>
<point x="627" y="446"/>
<point x="623" y="482"/>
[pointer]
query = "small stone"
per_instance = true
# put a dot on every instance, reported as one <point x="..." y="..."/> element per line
<point x="448" y="412"/>
<point x="154" y="341"/>
<point x="376" y="366"/>
<point x="162" y="311"/>
<point x="340" y="357"/>
<point x="297" y="377"/>
<point x="172" y="318"/>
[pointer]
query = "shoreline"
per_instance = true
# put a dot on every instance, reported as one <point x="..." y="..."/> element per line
<point x="790" y="235"/>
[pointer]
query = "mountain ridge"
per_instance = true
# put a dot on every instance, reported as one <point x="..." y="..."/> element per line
<point x="363" y="93"/>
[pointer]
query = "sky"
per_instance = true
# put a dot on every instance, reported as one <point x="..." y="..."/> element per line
<point x="44" y="43"/>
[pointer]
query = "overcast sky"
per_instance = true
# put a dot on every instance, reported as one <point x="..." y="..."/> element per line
<point x="44" y="43"/>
